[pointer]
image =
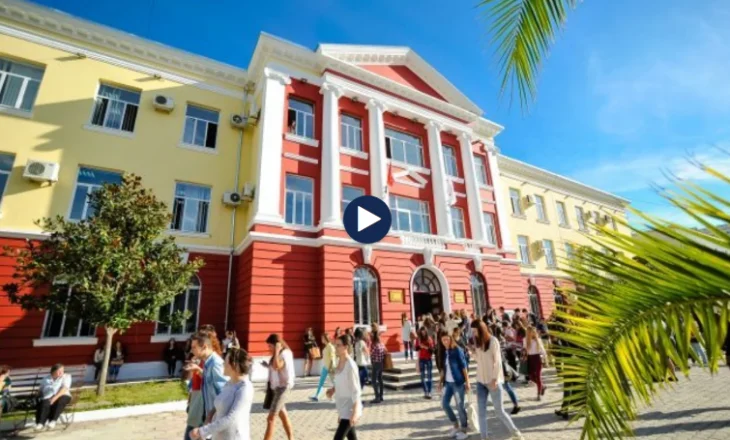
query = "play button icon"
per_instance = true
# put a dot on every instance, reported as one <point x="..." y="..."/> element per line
<point x="367" y="219"/>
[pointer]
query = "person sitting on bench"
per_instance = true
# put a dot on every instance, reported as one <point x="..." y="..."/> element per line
<point x="55" y="394"/>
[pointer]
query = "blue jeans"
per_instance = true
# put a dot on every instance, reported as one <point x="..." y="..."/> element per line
<point x="483" y="394"/>
<point x="363" y="376"/>
<point x="322" y="378"/>
<point x="114" y="370"/>
<point x="426" y="368"/>
<point x="453" y="390"/>
<point x="700" y="352"/>
<point x="512" y="396"/>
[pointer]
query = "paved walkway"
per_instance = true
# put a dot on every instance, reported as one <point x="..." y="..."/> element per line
<point x="695" y="409"/>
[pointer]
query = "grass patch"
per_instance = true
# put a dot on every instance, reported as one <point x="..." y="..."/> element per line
<point x="135" y="394"/>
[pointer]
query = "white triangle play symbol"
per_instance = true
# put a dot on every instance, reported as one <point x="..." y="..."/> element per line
<point x="365" y="218"/>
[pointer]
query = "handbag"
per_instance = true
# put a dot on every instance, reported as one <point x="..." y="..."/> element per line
<point x="524" y="369"/>
<point x="314" y="353"/>
<point x="471" y="413"/>
<point x="269" y="397"/>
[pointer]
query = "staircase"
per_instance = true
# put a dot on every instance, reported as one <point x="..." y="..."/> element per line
<point x="403" y="375"/>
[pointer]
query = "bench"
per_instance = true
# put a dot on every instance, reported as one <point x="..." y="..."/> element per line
<point x="26" y="387"/>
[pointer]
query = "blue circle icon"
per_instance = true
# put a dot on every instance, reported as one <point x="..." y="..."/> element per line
<point x="367" y="219"/>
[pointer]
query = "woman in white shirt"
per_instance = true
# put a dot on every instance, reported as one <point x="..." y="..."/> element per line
<point x="490" y="378"/>
<point x="347" y="392"/>
<point x="534" y="352"/>
<point x="281" y="381"/>
<point x="232" y="420"/>
<point x="361" y="353"/>
<point x="406" y="330"/>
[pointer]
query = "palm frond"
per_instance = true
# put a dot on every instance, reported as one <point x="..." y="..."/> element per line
<point x="638" y="307"/>
<point x="523" y="31"/>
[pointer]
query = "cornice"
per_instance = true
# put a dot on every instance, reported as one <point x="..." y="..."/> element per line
<point x="88" y="33"/>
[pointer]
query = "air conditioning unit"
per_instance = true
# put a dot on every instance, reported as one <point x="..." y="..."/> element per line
<point x="40" y="171"/>
<point x="239" y="121"/>
<point x="248" y="192"/>
<point x="163" y="103"/>
<point x="530" y="199"/>
<point x="537" y="247"/>
<point x="231" y="198"/>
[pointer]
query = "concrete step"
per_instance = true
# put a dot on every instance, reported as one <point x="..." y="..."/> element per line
<point x="416" y="382"/>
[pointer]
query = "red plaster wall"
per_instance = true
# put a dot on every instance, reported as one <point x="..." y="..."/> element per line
<point x="405" y="76"/>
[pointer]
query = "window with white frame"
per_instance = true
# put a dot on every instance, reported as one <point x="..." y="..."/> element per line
<point x="524" y="245"/>
<point x="201" y="127"/>
<point x="410" y="215"/>
<point x="19" y="84"/>
<point x="187" y="301"/>
<point x="191" y="208"/>
<point x="569" y="251"/>
<point x="479" y="294"/>
<point x="367" y="296"/>
<point x="481" y="170"/>
<point x="63" y="325"/>
<point x="490" y="228"/>
<point x="350" y="193"/>
<point x="540" y="207"/>
<point x="580" y="217"/>
<point x="403" y="147"/>
<point x="88" y="181"/>
<point x="549" y="250"/>
<point x="562" y="214"/>
<point x="299" y="200"/>
<point x="457" y="222"/>
<point x="515" y="199"/>
<point x="301" y="118"/>
<point x="452" y="169"/>
<point x="6" y="166"/>
<point x="350" y="132"/>
<point x="115" y="108"/>
<point x="612" y="220"/>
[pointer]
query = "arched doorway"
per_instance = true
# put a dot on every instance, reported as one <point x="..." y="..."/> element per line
<point x="427" y="294"/>
<point x="367" y="296"/>
<point x="534" y="297"/>
<point x="479" y="294"/>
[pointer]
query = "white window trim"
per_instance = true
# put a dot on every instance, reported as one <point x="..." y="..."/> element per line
<point x="451" y="156"/>
<point x="342" y="191"/>
<point x="542" y="216"/>
<point x="354" y="170"/>
<point x="299" y="192"/>
<point x="480" y="164"/>
<point x="353" y="153"/>
<point x="301" y="158"/>
<point x="527" y="251"/>
<point x="23" y="88"/>
<point x="461" y="220"/>
<point x="63" y="325"/>
<point x="427" y="213"/>
<point x="76" y="187"/>
<point x="65" y="341"/>
<point x="554" y="263"/>
<point x="7" y="182"/>
<point x="301" y="140"/>
<point x="487" y="229"/>
<point x="197" y="147"/>
<point x="419" y="145"/>
<point x="408" y="167"/>
<point x="356" y="128"/>
<point x="580" y="219"/>
<point x="520" y="212"/>
<point x="456" y="179"/>
<point x="561" y="223"/>
<point x="197" y="315"/>
<point x="487" y="187"/>
<point x="182" y="232"/>
<point x="298" y="112"/>
<point x="370" y="306"/>
<point x="17" y="112"/>
<point x="177" y="233"/>
<point x="106" y="130"/>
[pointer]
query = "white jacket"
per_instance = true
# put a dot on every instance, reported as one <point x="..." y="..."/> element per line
<point x="489" y="363"/>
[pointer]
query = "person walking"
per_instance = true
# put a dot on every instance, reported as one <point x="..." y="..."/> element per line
<point x="406" y="330"/>
<point x="329" y="362"/>
<point x="454" y="382"/>
<point x="116" y="360"/>
<point x="213" y="378"/>
<point x="362" y="356"/>
<point x="171" y="354"/>
<point x="281" y="381"/>
<point x="347" y="393"/>
<point x="98" y="361"/>
<point x="377" y="361"/>
<point x="490" y="377"/>
<point x="232" y="420"/>
<point x="534" y="354"/>
<point x="507" y="372"/>
<point x="230" y="341"/>
<point x="310" y="342"/>
<point x="425" y="349"/>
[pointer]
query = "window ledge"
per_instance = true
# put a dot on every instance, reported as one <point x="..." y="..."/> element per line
<point x="353" y="153"/>
<point x="198" y="148"/>
<point x="61" y="342"/>
<point x="487" y="187"/>
<point x="527" y="266"/>
<point x="544" y="222"/>
<point x="303" y="228"/>
<point x="456" y="179"/>
<point x="120" y="133"/>
<point x="188" y="233"/>
<point x="381" y="327"/>
<point x="409" y="167"/>
<point x="520" y="216"/>
<point x="301" y="139"/>
<point x="155" y="339"/>
<point x="15" y="112"/>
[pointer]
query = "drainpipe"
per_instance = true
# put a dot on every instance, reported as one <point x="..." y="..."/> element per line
<point x="235" y="210"/>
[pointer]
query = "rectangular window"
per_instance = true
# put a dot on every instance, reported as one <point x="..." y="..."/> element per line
<point x="580" y="218"/>
<point x="6" y="166"/>
<point x="540" y="206"/>
<point x="569" y="251"/>
<point x="201" y="127"/>
<point x="457" y="222"/>
<point x="350" y="193"/>
<point x="547" y="247"/>
<point x="61" y="325"/>
<point x="88" y="181"/>
<point x="351" y="132"/>
<point x="562" y="214"/>
<point x="481" y="170"/>
<point x="403" y="147"/>
<point x="115" y="108"/>
<point x="410" y="215"/>
<point x="187" y="301"/>
<point x="612" y="220"/>
<point x="452" y="168"/>
<point x="515" y="199"/>
<point x="301" y="118"/>
<point x="299" y="200"/>
<point x="19" y="84"/>
<point x="524" y="245"/>
<point x="490" y="228"/>
<point x="190" y="208"/>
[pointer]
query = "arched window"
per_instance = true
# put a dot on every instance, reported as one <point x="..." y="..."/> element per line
<point x="479" y="294"/>
<point x="534" y="296"/>
<point x="427" y="296"/>
<point x="187" y="301"/>
<point x="367" y="296"/>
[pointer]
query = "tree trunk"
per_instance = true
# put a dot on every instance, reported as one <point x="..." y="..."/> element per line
<point x="105" y="365"/>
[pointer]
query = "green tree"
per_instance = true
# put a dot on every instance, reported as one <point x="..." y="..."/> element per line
<point x="112" y="270"/>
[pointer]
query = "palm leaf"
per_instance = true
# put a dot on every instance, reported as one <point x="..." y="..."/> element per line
<point x="639" y="305"/>
<point x="523" y="31"/>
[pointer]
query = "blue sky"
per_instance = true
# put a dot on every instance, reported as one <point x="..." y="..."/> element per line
<point x="630" y="89"/>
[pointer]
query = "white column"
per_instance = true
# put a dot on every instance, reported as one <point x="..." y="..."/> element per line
<point x="473" y="195"/>
<point x="378" y="165"/>
<point x="268" y="187"/>
<point x="500" y="198"/>
<point x="438" y="180"/>
<point x="331" y="189"/>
